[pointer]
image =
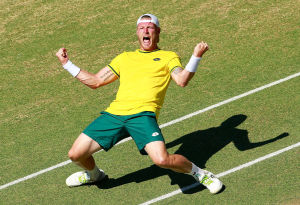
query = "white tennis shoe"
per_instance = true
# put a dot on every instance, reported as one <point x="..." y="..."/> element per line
<point x="83" y="177"/>
<point x="210" y="181"/>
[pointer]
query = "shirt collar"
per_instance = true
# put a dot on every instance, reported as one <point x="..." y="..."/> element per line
<point x="141" y="51"/>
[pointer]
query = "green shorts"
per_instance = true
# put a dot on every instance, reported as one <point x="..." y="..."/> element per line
<point x="109" y="129"/>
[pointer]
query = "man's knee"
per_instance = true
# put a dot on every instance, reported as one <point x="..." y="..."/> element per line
<point x="161" y="161"/>
<point x="73" y="155"/>
<point x="158" y="153"/>
<point x="83" y="148"/>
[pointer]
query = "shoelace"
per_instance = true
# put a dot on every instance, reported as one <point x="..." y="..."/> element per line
<point x="84" y="178"/>
<point x="205" y="179"/>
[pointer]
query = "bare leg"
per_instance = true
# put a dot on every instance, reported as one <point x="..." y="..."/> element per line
<point x="82" y="150"/>
<point x="81" y="154"/>
<point x="178" y="163"/>
<point x="159" y="155"/>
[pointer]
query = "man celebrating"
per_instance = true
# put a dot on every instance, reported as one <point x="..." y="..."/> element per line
<point x="144" y="77"/>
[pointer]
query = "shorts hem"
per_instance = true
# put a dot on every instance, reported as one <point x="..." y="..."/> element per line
<point x="143" y="151"/>
<point x="103" y="147"/>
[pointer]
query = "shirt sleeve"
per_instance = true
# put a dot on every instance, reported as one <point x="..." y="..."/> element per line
<point x="115" y="65"/>
<point x="174" y="62"/>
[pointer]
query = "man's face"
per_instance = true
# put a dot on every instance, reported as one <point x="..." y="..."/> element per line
<point x="148" y="36"/>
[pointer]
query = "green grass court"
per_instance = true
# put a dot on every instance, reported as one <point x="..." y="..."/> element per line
<point x="43" y="109"/>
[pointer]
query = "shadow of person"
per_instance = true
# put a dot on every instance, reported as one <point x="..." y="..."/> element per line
<point x="198" y="147"/>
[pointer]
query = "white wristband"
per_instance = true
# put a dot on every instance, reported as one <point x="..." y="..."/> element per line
<point x="193" y="64"/>
<point x="71" y="68"/>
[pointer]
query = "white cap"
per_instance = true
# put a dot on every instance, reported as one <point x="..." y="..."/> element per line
<point x="153" y="20"/>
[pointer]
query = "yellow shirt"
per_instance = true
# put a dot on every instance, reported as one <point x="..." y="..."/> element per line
<point x="144" y="79"/>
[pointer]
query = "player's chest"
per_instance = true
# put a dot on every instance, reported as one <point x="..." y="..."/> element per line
<point x="145" y="64"/>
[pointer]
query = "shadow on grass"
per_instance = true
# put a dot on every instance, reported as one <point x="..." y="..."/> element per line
<point x="198" y="147"/>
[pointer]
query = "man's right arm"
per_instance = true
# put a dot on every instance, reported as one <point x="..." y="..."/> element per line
<point x="103" y="77"/>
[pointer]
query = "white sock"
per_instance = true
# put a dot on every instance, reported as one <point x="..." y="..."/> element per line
<point x="195" y="170"/>
<point x="94" y="173"/>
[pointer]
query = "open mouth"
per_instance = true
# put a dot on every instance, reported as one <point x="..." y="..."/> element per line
<point x="146" y="39"/>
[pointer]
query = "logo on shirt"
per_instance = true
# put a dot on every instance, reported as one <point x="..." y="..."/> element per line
<point x="155" y="134"/>
<point x="156" y="59"/>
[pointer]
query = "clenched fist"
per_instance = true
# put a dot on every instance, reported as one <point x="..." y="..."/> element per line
<point x="62" y="56"/>
<point x="200" y="49"/>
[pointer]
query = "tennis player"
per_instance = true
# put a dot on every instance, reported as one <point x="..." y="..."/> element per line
<point x="144" y="77"/>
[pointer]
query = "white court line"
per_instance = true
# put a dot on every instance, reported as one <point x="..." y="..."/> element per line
<point x="171" y="194"/>
<point x="35" y="174"/>
<point x="230" y="100"/>
<point x="162" y="126"/>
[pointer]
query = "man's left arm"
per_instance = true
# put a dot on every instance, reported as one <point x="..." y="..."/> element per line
<point x="183" y="76"/>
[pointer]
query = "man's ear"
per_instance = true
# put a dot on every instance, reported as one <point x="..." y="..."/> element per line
<point x="158" y="31"/>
